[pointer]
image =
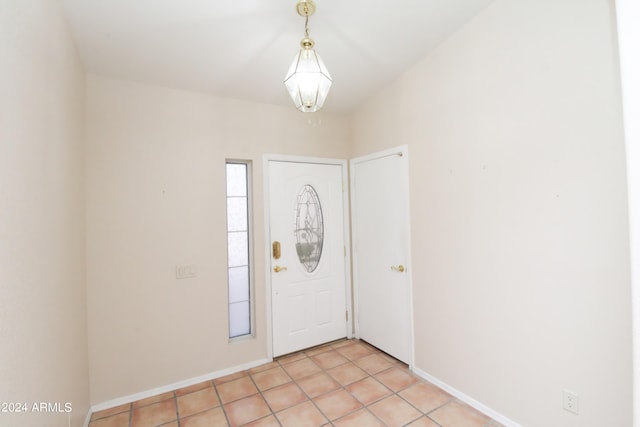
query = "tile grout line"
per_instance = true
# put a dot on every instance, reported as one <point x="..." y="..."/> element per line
<point x="224" y="411"/>
<point x="425" y="414"/>
<point x="263" y="398"/>
<point x="366" y="407"/>
<point x="368" y="375"/>
<point x="343" y="386"/>
<point x="393" y="393"/>
<point x="309" y="397"/>
<point x="397" y="393"/>
<point x="175" y="402"/>
<point x="325" y="371"/>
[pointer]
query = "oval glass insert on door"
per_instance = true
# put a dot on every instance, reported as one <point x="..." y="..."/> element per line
<point x="309" y="228"/>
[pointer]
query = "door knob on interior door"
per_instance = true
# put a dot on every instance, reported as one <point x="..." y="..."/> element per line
<point x="278" y="269"/>
<point x="399" y="268"/>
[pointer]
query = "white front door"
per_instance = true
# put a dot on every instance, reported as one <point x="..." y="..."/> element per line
<point x="307" y="254"/>
<point x="380" y="221"/>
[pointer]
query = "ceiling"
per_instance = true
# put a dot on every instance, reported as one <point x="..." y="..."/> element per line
<point x="243" y="48"/>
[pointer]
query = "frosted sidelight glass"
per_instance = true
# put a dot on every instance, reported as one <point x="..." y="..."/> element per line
<point x="239" y="319"/>
<point x="238" y="249"/>
<point x="238" y="280"/>
<point x="238" y="245"/>
<point x="236" y="179"/>
<point x="237" y="214"/>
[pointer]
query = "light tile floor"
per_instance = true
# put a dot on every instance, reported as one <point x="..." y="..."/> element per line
<point x="344" y="383"/>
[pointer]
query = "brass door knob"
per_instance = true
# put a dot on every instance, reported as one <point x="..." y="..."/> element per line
<point x="278" y="269"/>
<point x="399" y="268"/>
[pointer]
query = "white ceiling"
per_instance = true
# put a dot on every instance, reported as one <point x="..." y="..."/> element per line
<point x="243" y="48"/>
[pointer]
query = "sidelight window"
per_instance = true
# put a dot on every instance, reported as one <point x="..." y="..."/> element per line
<point x="238" y="249"/>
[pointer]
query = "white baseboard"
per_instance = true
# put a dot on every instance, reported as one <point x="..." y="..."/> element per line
<point x="466" y="399"/>
<point x="170" y="387"/>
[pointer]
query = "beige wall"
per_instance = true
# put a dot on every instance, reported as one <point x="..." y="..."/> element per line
<point x="519" y="224"/>
<point x="43" y="324"/>
<point x="156" y="198"/>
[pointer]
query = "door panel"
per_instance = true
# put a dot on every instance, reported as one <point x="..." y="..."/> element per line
<point x="380" y="202"/>
<point x="308" y="280"/>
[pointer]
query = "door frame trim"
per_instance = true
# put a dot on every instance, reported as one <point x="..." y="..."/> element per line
<point x="266" y="158"/>
<point x="402" y="150"/>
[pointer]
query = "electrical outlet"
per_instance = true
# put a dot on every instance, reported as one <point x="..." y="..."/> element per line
<point x="570" y="401"/>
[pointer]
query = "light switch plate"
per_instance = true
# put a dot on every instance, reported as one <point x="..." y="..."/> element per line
<point x="186" y="271"/>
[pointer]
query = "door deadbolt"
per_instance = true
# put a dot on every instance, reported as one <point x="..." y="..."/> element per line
<point x="275" y="250"/>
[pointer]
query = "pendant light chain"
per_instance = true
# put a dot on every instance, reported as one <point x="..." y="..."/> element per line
<point x="306" y="26"/>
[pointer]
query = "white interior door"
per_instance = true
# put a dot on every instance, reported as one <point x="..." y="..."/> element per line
<point x="308" y="257"/>
<point x="380" y="224"/>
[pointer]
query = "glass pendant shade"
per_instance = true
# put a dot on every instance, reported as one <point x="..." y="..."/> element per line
<point x="308" y="81"/>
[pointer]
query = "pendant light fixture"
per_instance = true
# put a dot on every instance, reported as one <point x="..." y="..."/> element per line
<point x="307" y="80"/>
